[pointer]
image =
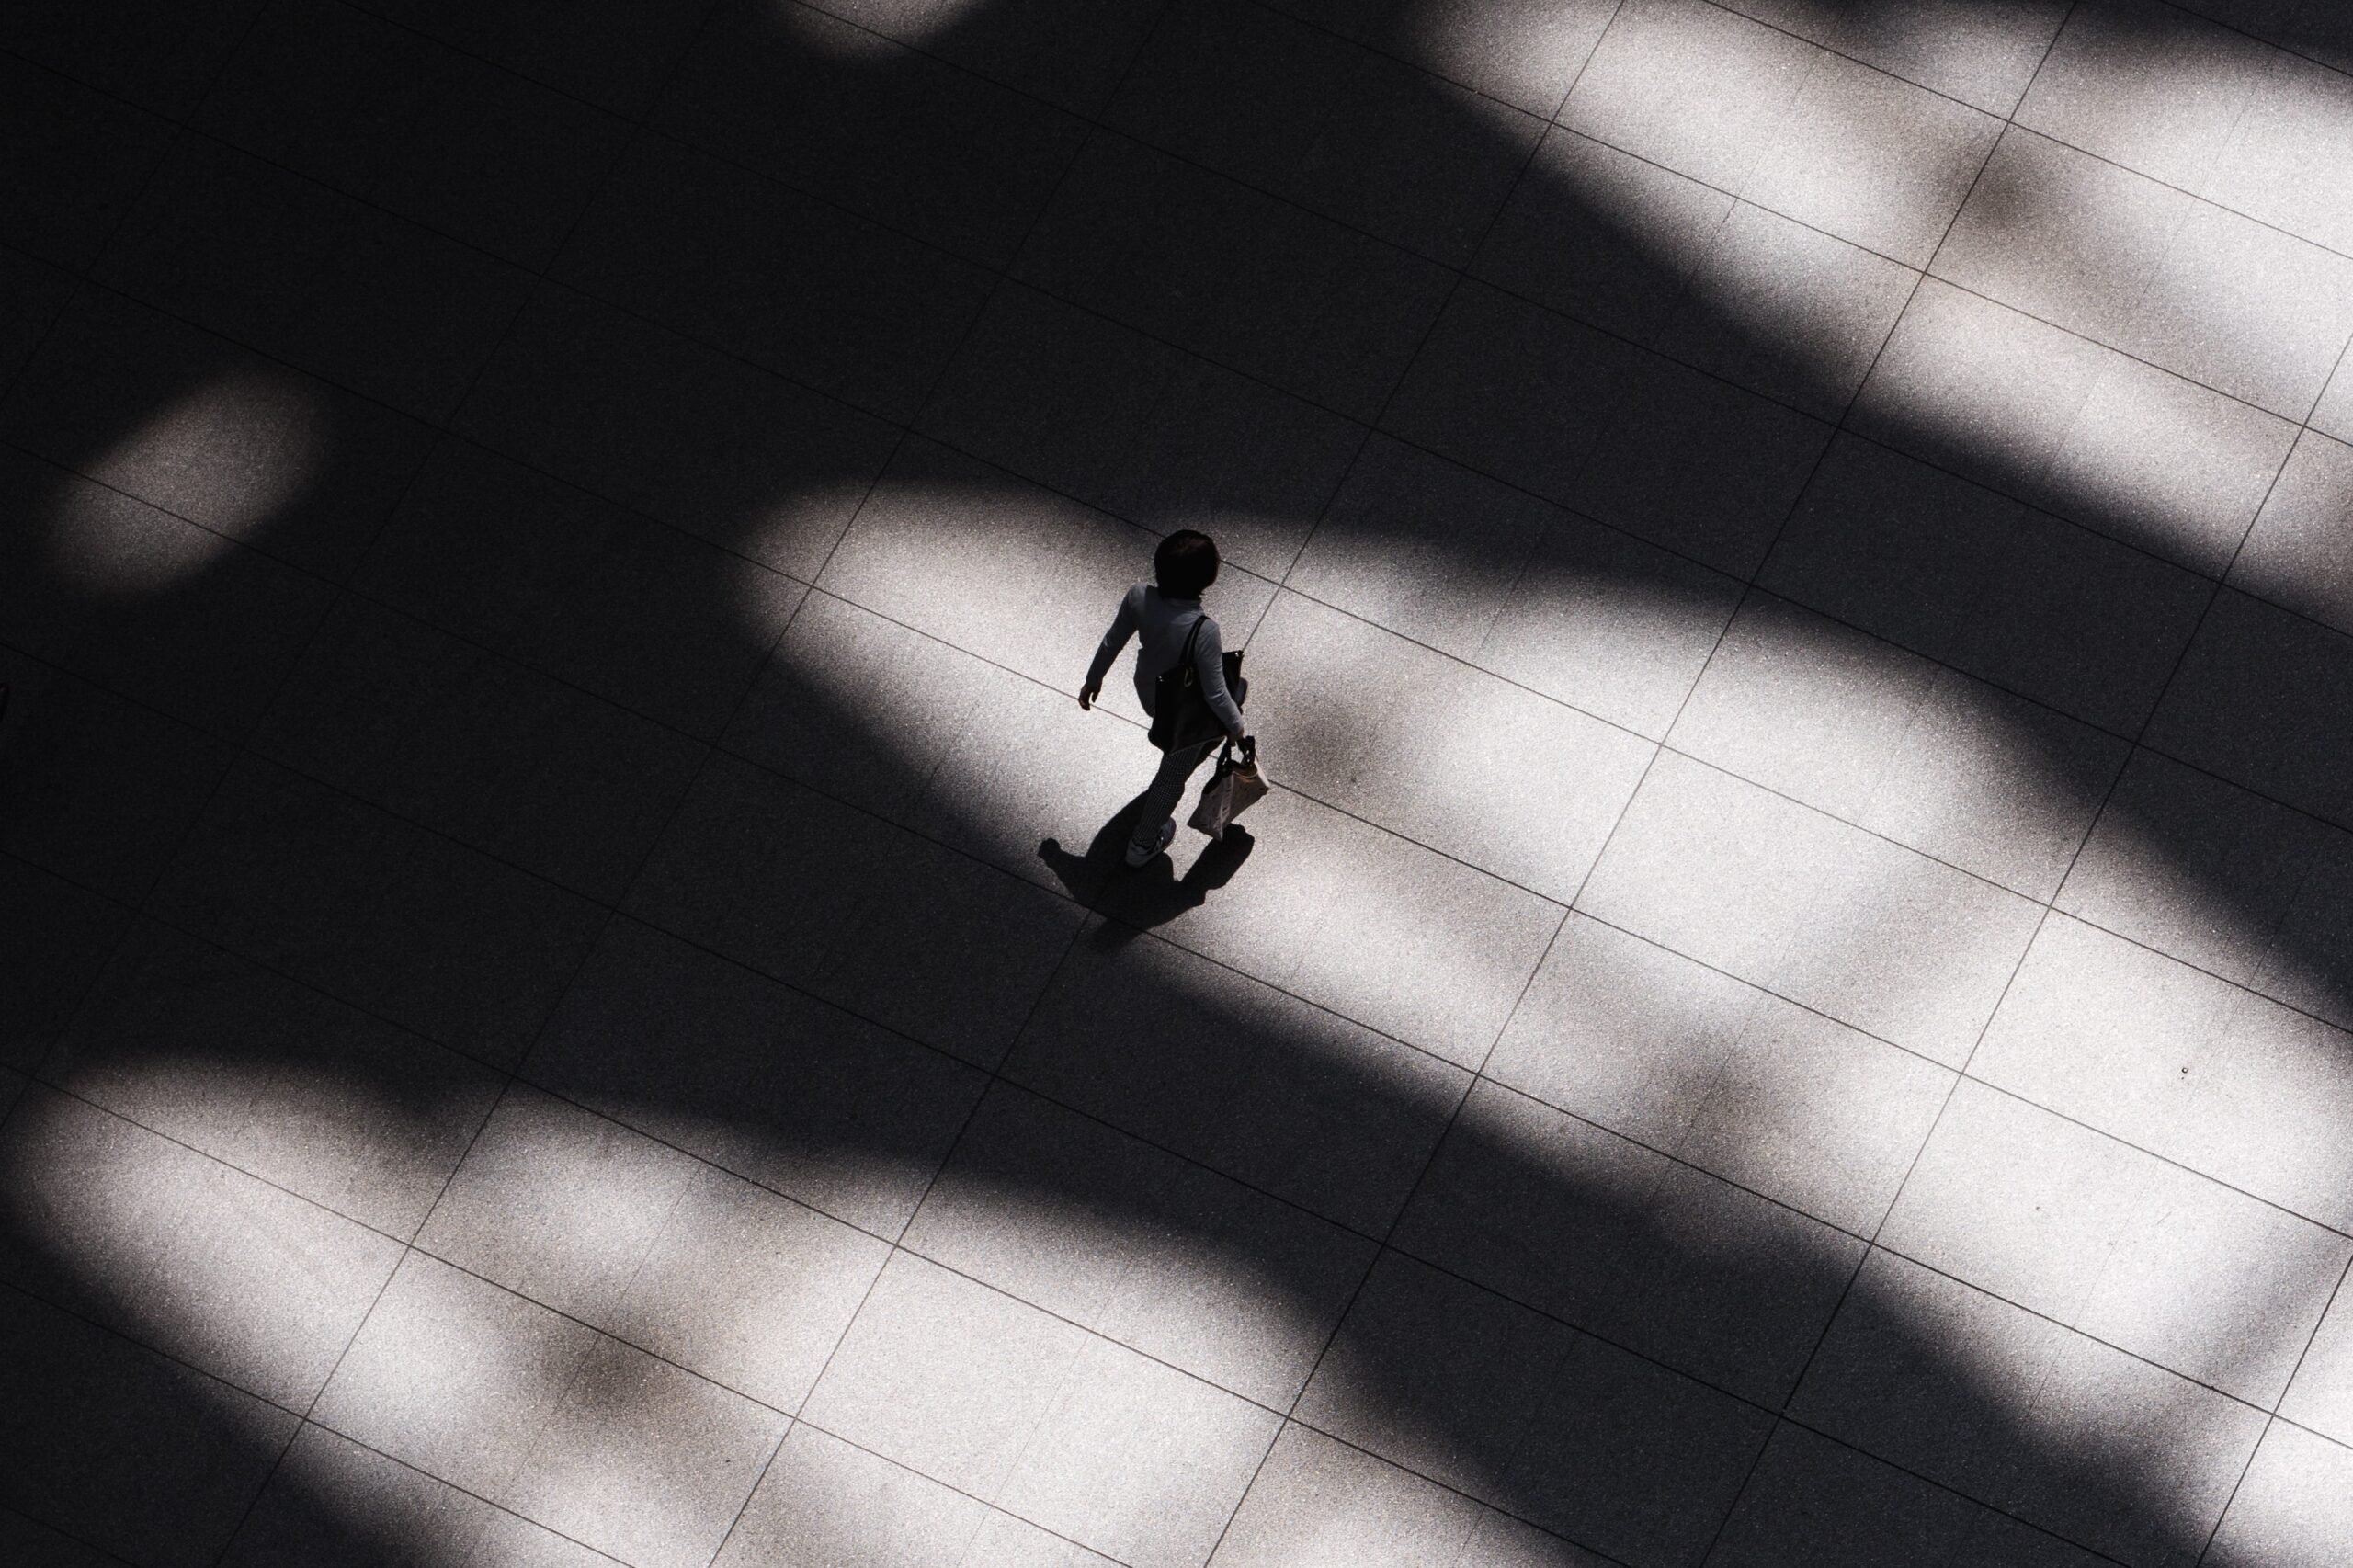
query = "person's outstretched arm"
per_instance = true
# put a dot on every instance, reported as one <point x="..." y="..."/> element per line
<point x="1124" y="622"/>
<point x="1209" y="665"/>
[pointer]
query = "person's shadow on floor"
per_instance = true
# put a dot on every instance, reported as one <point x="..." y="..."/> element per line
<point x="1152" y="894"/>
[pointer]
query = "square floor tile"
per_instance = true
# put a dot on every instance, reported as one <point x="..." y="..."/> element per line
<point x="2285" y="159"/>
<point x="1269" y="1089"/>
<point x="2249" y="704"/>
<point x="1814" y="1501"/>
<point x="1170" y="1260"/>
<point x="644" y="1461"/>
<point x="2293" y="1507"/>
<point x="754" y="1077"/>
<point x="1700" y="90"/>
<point x="558" y="1204"/>
<point x="247" y="446"/>
<point x="274" y="1078"/>
<point x="1979" y="55"/>
<point x="1871" y="158"/>
<point x="2063" y="236"/>
<point x="98" y="789"/>
<point x="153" y="609"/>
<point x="1445" y="755"/>
<point x="1816" y="1115"/>
<point x="1622" y="1031"/>
<point x="455" y="1376"/>
<point x="1137" y="1459"/>
<point x="1601" y="235"/>
<point x="1609" y="624"/>
<point x="182" y="1252"/>
<point x="54" y="938"/>
<point x="824" y="1500"/>
<point x="334" y="1500"/>
<point x="1788" y="311"/>
<point x="2145" y="87"/>
<point x="2295" y="555"/>
<point x="77" y="160"/>
<point x="1422" y="547"/>
<point x="2245" y="310"/>
<point x="454" y="738"/>
<point x="947" y="1376"/>
<point x="908" y="139"/>
<point x="747" y="1288"/>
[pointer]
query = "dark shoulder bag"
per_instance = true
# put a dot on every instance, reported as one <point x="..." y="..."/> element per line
<point x="1180" y="713"/>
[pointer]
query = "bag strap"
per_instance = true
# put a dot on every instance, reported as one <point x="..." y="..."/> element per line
<point x="1192" y="640"/>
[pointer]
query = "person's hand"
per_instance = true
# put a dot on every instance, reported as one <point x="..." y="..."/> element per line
<point x="1087" y="694"/>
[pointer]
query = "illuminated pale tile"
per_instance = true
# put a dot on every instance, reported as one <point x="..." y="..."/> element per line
<point x="301" y="1090"/>
<point x="2295" y="1507"/>
<point x="945" y="1376"/>
<point x="334" y="1500"/>
<point x="1320" y="1504"/>
<point x="824" y="1500"/>
<point x="2321" y="1395"/>
<point x="2101" y="1029"/>
<point x="558" y="1204"/>
<point x="1609" y="624"/>
<point x="1982" y="55"/>
<point x="1421" y="546"/>
<point x="1994" y="784"/>
<point x="1687" y="86"/>
<point x="1440" y="752"/>
<point x="2298" y="554"/>
<point x="644" y="1461"/>
<point x="1871" y="158"/>
<point x="2290" y="159"/>
<point x="1980" y="388"/>
<point x="237" y="1277"/>
<point x="747" y="1288"/>
<point x="2063" y="236"/>
<point x="1162" y="1255"/>
<point x="2146" y="85"/>
<point x="2191" y="864"/>
<point x="2247" y="310"/>
<point x="1816" y="1115"/>
<point x="2017" y="1202"/>
<point x="1803" y="705"/>
<point x="1788" y="310"/>
<point x="1382" y="931"/>
<point x="455" y="1376"/>
<point x="2162" y="463"/>
<point x="941" y="521"/>
<point x="1218" y="1067"/>
<point x="2155" y="1259"/>
<point x="1137" y="1460"/>
<point x="1622" y="1031"/>
<point x="1871" y="933"/>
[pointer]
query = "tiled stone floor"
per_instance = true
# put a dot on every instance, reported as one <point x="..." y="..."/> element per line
<point x="561" y="993"/>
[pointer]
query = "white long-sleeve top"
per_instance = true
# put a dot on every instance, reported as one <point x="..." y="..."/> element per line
<point x="1161" y="624"/>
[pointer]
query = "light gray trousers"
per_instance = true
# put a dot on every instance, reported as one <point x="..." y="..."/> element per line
<point x="1167" y="788"/>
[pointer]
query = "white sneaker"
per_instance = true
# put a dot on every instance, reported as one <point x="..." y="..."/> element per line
<point x="1138" y="854"/>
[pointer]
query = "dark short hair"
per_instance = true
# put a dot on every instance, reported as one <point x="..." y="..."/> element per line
<point x="1186" y="562"/>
